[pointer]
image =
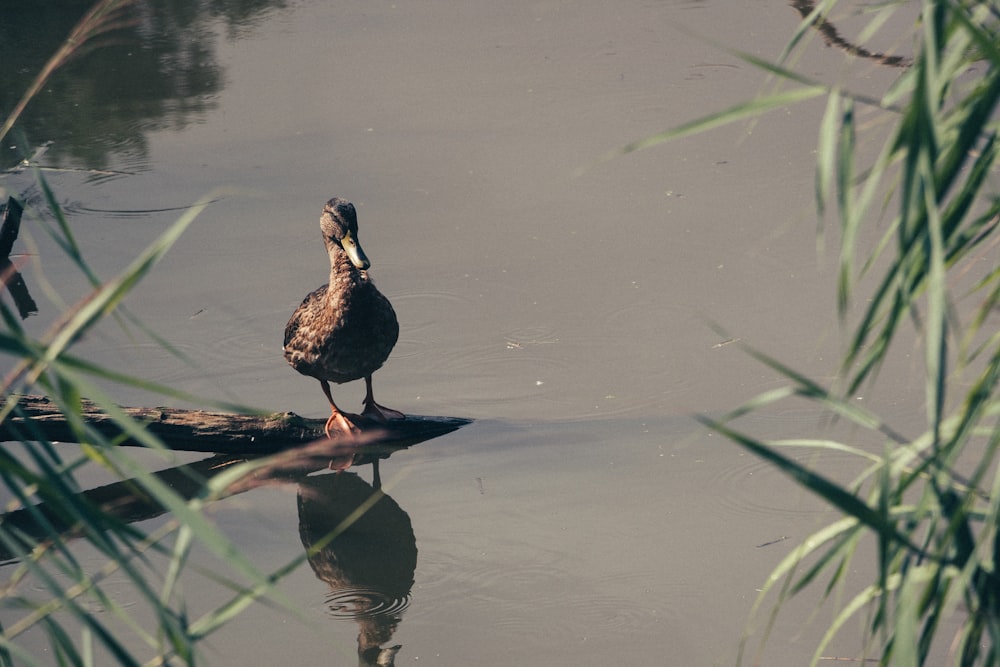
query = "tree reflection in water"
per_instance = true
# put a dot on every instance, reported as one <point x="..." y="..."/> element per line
<point x="157" y="70"/>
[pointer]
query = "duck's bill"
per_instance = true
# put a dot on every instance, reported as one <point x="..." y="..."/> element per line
<point x="354" y="252"/>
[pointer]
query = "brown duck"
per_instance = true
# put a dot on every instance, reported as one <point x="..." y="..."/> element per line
<point x="346" y="329"/>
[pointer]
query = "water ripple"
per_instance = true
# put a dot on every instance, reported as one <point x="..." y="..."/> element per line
<point x="78" y="209"/>
<point x="535" y="600"/>
<point x="354" y="603"/>
<point x="754" y="487"/>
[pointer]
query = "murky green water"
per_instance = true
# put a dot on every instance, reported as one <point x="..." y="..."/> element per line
<point x="563" y="303"/>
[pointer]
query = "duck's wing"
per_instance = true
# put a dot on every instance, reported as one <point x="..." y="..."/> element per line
<point x="307" y="310"/>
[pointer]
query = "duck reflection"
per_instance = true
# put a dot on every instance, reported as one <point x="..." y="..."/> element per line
<point x="361" y="543"/>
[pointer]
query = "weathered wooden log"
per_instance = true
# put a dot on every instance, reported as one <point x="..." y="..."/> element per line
<point x="214" y="432"/>
<point x="295" y="447"/>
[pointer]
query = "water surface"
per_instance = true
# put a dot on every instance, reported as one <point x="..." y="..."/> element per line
<point x="561" y="301"/>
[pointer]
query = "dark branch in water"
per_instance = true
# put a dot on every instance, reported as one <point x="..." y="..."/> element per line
<point x="9" y="275"/>
<point x="832" y="37"/>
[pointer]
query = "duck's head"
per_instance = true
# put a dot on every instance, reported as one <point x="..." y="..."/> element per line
<point x="339" y="224"/>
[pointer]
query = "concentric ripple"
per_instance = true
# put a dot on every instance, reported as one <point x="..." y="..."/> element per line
<point x="754" y="487"/>
<point x="353" y="603"/>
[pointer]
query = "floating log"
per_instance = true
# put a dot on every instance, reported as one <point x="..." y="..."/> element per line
<point x="215" y="432"/>
<point x="287" y="449"/>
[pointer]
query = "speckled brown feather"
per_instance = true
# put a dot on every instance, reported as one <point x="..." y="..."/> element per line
<point x="344" y="330"/>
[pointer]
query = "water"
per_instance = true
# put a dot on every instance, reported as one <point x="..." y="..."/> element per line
<point x="562" y="301"/>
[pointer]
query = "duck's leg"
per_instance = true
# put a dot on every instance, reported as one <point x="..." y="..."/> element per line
<point x="375" y="411"/>
<point x="337" y="417"/>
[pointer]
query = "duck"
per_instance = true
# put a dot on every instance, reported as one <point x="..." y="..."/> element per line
<point x="346" y="329"/>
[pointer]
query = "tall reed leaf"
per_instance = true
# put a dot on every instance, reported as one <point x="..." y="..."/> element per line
<point x="929" y="501"/>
